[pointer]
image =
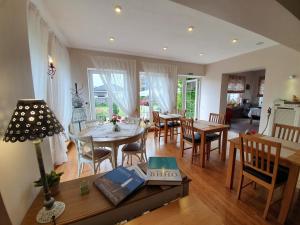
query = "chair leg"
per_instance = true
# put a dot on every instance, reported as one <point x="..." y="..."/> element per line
<point x="79" y="168"/>
<point x="182" y="148"/>
<point x="122" y="158"/>
<point x="269" y="200"/>
<point x="219" y="150"/>
<point x="240" y="186"/>
<point x="111" y="162"/>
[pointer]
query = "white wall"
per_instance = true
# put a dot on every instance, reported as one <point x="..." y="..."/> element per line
<point x="279" y="62"/>
<point x="18" y="164"/>
<point x="80" y="62"/>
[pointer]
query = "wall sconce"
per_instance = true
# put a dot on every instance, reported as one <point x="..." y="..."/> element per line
<point x="291" y="77"/>
<point x="51" y="67"/>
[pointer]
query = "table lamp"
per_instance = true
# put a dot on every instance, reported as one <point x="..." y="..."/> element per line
<point x="33" y="120"/>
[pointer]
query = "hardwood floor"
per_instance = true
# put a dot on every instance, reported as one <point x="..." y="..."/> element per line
<point x="208" y="185"/>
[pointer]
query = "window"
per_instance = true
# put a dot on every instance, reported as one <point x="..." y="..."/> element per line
<point x="148" y="103"/>
<point x="261" y="87"/>
<point x="236" y="84"/>
<point x="102" y="104"/>
<point x="187" y="95"/>
<point x="234" y="98"/>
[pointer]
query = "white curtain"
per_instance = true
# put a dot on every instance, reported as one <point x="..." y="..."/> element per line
<point x="56" y="91"/>
<point x="38" y="34"/>
<point x="120" y="79"/>
<point x="59" y="97"/>
<point x="163" y="84"/>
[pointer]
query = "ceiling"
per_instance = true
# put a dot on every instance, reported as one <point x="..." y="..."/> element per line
<point x="144" y="27"/>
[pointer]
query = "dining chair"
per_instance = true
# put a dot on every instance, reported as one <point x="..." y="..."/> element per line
<point x="176" y="124"/>
<point x="286" y="132"/>
<point x="188" y="135"/>
<point x="137" y="149"/>
<point x="159" y="126"/>
<point x="91" y="123"/>
<point x="260" y="164"/>
<point x="87" y="153"/>
<point x="215" y="118"/>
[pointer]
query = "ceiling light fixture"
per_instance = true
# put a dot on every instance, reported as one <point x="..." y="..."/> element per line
<point x="234" y="41"/>
<point x="165" y="48"/>
<point x="201" y="54"/>
<point x="118" y="9"/>
<point x="190" y="28"/>
<point x="111" y="39"/>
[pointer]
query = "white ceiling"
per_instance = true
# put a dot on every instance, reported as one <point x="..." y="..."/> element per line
<point x="146" y="26"/>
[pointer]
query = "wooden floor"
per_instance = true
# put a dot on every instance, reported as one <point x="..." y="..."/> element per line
<point x="208" y="186"/>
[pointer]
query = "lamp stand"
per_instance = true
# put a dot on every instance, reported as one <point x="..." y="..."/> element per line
<point x="52" y="209"/>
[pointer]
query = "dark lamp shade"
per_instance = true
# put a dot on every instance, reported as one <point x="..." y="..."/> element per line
<point x="31" y="120"/>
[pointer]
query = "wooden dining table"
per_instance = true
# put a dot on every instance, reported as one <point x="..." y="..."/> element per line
<point x="104" y="136"/>
<point x="166" y="118"/>
<point x="289" y="157"/>
<point x="205" y="127"/>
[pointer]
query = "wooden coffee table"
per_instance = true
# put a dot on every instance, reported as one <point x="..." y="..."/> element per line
<point x="94" y="208"/>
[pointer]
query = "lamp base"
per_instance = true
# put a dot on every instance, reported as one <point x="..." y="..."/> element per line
<point x="45" y="215"/>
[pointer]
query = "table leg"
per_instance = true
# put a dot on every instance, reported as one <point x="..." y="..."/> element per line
<point x="166" y="131"/>
<point x="115" y="154"/>
<point x="288" y="193"/>
<point x="224" y="144"/>
<point x="231" y="166"/>
<point x="202" y="150"/>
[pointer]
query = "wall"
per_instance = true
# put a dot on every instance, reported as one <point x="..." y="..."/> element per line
<point x="18" y="164"/>
<point x="80" y="63"/>
<point x="279" y="62"/>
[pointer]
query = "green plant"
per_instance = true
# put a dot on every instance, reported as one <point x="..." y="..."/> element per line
<point x="52" y="178"/>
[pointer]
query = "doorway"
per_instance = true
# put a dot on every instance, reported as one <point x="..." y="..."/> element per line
<point x="244" y="99"/>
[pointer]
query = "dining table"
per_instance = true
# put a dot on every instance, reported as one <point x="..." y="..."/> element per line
<point x="104" y="136"/>
<point x="166" y="118"/>
<point x="204" y="127"/>
<point x="289" y="157"/>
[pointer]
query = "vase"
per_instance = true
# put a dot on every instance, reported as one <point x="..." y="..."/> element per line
<point x="116" y="128"/>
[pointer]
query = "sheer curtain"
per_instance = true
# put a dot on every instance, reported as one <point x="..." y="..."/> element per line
<point x="59" y="97"/>
<point x="163" y="84"/>
<point x="56" y="91"/>
<point x="120" y="79"/>
<point x="38" y="34"/>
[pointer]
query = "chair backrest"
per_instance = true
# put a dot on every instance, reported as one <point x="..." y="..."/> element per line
<point x="286" y="132"/>
<point x="260" y="154"/>
<point x="156" y="119"/>
<point x="91" y="123"/>
<point x="144" y="138"/>
<point x="86" y="142"/>
<point x="187" y="128"/>
<point x="217" y="118"/>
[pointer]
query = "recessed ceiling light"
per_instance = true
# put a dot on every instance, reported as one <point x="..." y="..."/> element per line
<point x="234" y="41"/>
<point x="165" y="48"/>
<point x="190" y="28"/>
<point x="111" y="39"/>
<point x="260" y="43"/>
<point x="118" y="9"/>
<point x="201" y="54"/>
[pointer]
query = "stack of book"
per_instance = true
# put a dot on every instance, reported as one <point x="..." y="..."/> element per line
<point x="121" y="182"/>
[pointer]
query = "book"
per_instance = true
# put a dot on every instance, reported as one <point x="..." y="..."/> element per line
<point x="163" y="171"/>
<point x="138" y="171"/>
<point x="118" y="184"/>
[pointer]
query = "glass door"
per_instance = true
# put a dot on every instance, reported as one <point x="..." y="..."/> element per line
<point x="187" y="95"/>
